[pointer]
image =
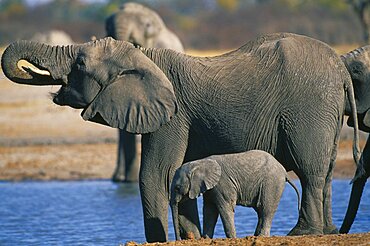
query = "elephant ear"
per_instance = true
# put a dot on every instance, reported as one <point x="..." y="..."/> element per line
<point x="366" y="119"/>
<point x="139" y="100"/>
<point x="204" y="175"/>
<point x="363" y="121"/>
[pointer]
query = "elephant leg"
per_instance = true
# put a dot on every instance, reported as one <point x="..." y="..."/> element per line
<point x="132" y="159"/>
<point x="227" y="216"/>
<point x="311" y="165"/>
<point x="162" y="153"/>
<point x="127" y="163"/>
<point x="269" y="201"/>
<point x="329" y="227"/>
<point x="210" y="215"/>
<point x="264" y="222"/>
<point x="310" y="219"/>
<point x="119" y="174"/>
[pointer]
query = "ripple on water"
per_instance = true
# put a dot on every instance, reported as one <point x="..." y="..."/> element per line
<point x="103" y="213"/>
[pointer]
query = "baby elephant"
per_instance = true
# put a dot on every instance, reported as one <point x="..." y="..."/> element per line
<point x="252" y="179"/>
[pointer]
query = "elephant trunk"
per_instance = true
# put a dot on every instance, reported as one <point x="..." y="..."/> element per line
<point x="357" y="190"/>
<point x="122" y="28"/>
<point x="124" y="33"/>
<point x="50" y="63"/>
<point x="354" y="202"/>
<point x="175" y="219"/>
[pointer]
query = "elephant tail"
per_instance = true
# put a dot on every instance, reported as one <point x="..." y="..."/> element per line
<point x="354" y="202"/>
<point x="296" y="190"/>
<point x="360" y="171"/>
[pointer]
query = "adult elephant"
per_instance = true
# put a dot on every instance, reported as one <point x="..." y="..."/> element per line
<point x="281" y="93"/>
<point x="358" y="65"/>
<point x="144" y="27"/>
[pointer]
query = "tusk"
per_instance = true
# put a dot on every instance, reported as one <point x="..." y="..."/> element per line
<point x="36" y="70"/>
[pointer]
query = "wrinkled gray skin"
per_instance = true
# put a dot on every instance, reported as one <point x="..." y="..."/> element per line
<point x="251" y="179"/>
<point x="281" y="93"/>
<point x="358" y="65"/>
<point x="144" y="27"/>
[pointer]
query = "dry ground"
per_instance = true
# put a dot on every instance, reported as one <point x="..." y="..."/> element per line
<point x="320" y="240"/>
<point x="42" y="141"/>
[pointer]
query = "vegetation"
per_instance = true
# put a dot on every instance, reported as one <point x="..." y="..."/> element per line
<point x="201" y="24"/>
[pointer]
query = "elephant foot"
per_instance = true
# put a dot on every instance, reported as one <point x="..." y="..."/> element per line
<point x="190" y="235"/>
<point x="332" y="229"/>
<point x="132" y="176"/>
<point x="131" y="180"/>
<point x="118" y="178"/>
<point x="191" y="232"/>
<point x="303" y="228"/>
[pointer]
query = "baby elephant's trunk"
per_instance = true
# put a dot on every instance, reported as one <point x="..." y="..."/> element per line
<point x="296" y="190"/>
<point x="175" y="219"/>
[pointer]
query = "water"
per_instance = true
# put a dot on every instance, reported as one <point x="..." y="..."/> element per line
<point x="103" y="213"/>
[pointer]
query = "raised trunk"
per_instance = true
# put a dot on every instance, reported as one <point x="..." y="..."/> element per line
<point x="357" y="190"/>
<point x="51" y="60"/>
<point x="175" y="219"/>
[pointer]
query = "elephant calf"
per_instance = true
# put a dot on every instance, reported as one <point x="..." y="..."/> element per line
<point x="252" y="179"/>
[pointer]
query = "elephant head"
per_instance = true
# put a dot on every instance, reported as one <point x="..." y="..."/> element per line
<point x="189" y="182"/>
<point x="112" y="81"/>
<point x="136" y="24"/>
<point x="358" y="65"/>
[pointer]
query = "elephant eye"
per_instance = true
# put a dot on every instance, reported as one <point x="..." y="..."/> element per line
<point x="357" y="68"/>
<point x="80" y="63"/>
<point x="132" y="72"/>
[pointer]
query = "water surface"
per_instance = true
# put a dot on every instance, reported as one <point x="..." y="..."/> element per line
<point x="104" y="213"/>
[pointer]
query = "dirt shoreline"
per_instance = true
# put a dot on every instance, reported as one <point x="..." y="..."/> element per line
<point x="65" y="159"/>
<point x="342" y="239"/>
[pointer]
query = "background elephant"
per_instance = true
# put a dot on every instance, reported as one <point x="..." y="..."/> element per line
<point x="281" y="93"/>
<point x="251" y="179"/>
<point x="144" y="27"/>
<point x="358" y="65"/>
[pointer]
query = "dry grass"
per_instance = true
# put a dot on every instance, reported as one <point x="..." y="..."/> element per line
<point x="340" y="49"/>
<point x="57" y="162"/>
<point x="205" y="53"/>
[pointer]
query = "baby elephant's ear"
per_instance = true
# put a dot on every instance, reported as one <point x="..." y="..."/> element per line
<point x="204" y="176"/>
<point x="139" y="100"/>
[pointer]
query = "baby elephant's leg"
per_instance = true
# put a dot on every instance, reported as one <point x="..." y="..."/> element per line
<point x="270" y="198"/>
<point x="227" y="217"/>
<point x="264" y="222"/>
<point x="210" y="215"/>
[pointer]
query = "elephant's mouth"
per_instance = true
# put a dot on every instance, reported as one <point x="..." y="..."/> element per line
<point x="363" y="121"/>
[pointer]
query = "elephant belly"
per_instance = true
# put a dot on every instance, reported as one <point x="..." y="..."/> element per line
<point x="232" y="139"/>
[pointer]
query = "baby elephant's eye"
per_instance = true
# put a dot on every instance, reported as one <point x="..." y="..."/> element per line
<point x="177" y="188"/>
